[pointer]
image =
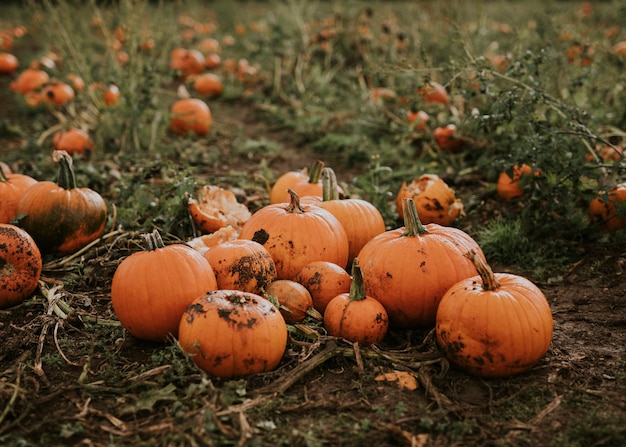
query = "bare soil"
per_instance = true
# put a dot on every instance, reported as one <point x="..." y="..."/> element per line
<point x="84" y="381"/>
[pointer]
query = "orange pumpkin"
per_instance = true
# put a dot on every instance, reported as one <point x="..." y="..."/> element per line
<point x="190" y="115"/>
<point x="20" y="265"/>
<point x="294" y="300"/>
<point x="243" y="265"/>
<point x="57" y="93"/>
<point x="230" y="333"/>
<point x="434" y="93"/>
<point x="620" y="48"/>
<point x="208" y="84"/>
<point x="310" y="185"/>
<point x="324" y="280"/>
<point x="494" y="325"/>
<point x="417" y="119"/>
<point x="409" y="269"/>
<point x="8" y="63"/>
<point x="30" y="80"/>
<point x="215" y="208"/>
<point x="509" y="188"/>
<point x="447" y="138"/>
<point x="12" y="188"/>
<point x="73" y="141"/>
<point x="296" y="235"/>
<point x="434" y="199"/>
<point x="61" y="217"/>
<point x="152" y="288"/>
<point x="278" y="192"/>
<point x="602" y="209"/>
<point x="355" y="316"/>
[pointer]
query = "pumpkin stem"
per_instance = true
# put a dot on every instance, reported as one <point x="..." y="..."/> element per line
<point x="412" y="223"/>
<point x="67" y="179"/>
<point x="152" y="241"/>
<point x="484" y="270"/>
<point x="294" y="203"/>
<point x="357" y="290"/>
<point x="316" y="171"/>
<point x="3" y="177"/>
<point x="329" y="185"/>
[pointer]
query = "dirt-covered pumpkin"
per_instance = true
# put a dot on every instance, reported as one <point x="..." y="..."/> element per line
<point x="61" y="217"/>
<point x="230" y="333"/>
<point x="409" y="269"/>
<point x="324" y="280"/>
<point x="494" y="325"/>
<point x="12" y="188"/>
<point x="152" y="288"/>
<point x="243" y="265"/>
<point x="296" y="235"/>
<point x="434" y="199"/>
<point x="294" y="300"/>
<point x="20" y="265"/>
<point x="355" y="316"/>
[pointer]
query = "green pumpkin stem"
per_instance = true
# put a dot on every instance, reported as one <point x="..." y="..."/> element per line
<point x="294" y="203"/>
<point x="316" y="171"/>
<point x="484" y="270"/>
<point x="67" y="179"/>
<point x="3" y="177"/>
<point x="412" y="223"/>
<point x="152" y="241"/>
<point x="357" y="290"/>
<point x="329" y="185"/>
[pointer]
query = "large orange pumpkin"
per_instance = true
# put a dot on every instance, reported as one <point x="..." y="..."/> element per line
<point x="230" y="333"/>
<point x="152" y="288"/>
<point x="296" y="234"/>
<point x="20" y="265"/>
<point x="61" y="217"/>
<point x="12" y="188"/>
<point x="409" y="269"/>
<point x="434" y="199"/>
<point x="494" y="325"/>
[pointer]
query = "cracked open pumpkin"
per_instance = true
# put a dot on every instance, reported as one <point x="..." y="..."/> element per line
<point x="494" y="324"/>
<point x="434" y="199"/>
<point x="230" y="333"/>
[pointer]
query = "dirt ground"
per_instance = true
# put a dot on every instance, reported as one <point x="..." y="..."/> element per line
<point x="80" y="382"/>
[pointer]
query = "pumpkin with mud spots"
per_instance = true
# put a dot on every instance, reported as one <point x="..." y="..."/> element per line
<point x="243" y="265"/>
<point x="409" y="269"/>
<point x="324" y="281"/>
<point x="494" y="325"/>
<point x="12" y="188"/>
<point x="230" y="333"/>
<point x="20" y="265"/>
<point x="296" y="235"/>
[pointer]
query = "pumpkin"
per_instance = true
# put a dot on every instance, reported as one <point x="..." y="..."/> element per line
<point x="434" y="199"/>
<point x="243" y="265"/>
<point x="605" y="153"/>
<point x="215" y="208"/>
<point x="212" y="61"/>
<point x="324" y="280"/>
<point x="409" y="269"/>
<point x="494" y="325"/>
<point x="294" y="300"/>
<point x="509" y="188"/>
<point x="30" y="80"/>
<point x="73" y="141"/>
<point x="603" y="212"/>
<point x="230" y="333"/>
<point x="152" y="288"/>
<point x="355" y="316"/>
<point x="620" y="48"/>
<point x="361" y="220"/>
<point x="57" y="93"/>
<point x="296" y="234"/>
<point x="12" y="188"/>
<point x="20" y="265"/>
<point x="447" y="138"/>
<point x="61" y="217"/>
<point x="190" y="115"/>
<point x="434" y="93"/>
<point x="285" y="182"/>
<point x="188" y="62"/>
<point x="205" y="242"/>
<point x="208" y="84"/>
<point x="310" y="185"/>
<point x="417" y="119"/>
<point x="8" y="63"/>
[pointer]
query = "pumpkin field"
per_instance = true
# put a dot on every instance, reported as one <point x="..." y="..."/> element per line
<point x="313" y="223"/>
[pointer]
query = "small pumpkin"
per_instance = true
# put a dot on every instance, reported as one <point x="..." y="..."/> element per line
<point x="61" y="217"/>
<point x="409" y="269"/>
<point x="20" y="265"/>
<point x="285" y="182"/>
<point x="9" y="63"/>
<point x="509" y="188"/>
<point x="355" y="316"/>
<point x="324" y="280"/>
<point x="12" y="188"/>
<point x="434" y="93"/>
<point x="208" y="84"/>
<point x="417" y="119"/>
<point x="152" y="288"/>
<point x="30" y="80"/>
<point x="603" y="212"/>
<point x="447" y="138"/>
<point x="57" y="93"/>
<point x="230" y="333"/>
<point x="494" y="325"/>
<point x="243" y="265"/>
<point x="310" y="185"/>
<point x="294" y="300"/>
<point x="215" y="208"/>
<point x="73" y="141"/>
<point x="296" y="235"/>
<point x="434" y="199"/>
<point x="189" y="115"/>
